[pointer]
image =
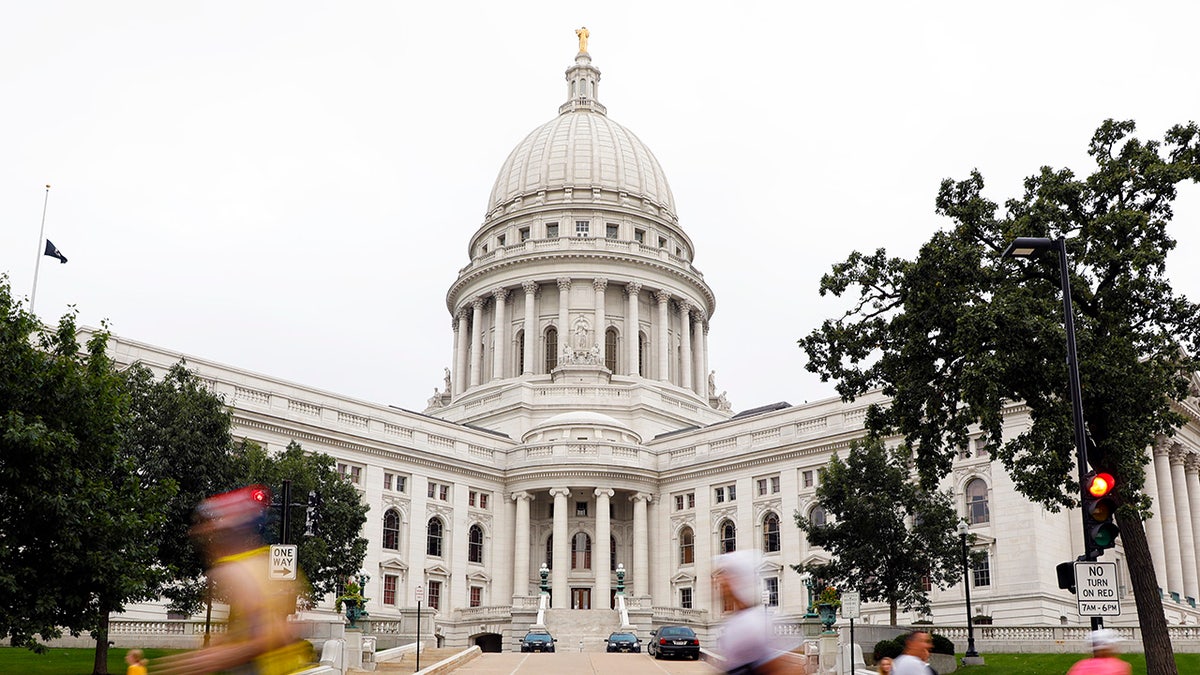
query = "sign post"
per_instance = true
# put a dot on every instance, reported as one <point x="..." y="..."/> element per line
<point x="419" y="594"/>
<point x="283" y="563"/>
<point x="1096" y="588"/>
<point x="850" y="610"/>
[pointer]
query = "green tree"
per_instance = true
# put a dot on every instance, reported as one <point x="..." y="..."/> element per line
<point x="955" y="333"/>
<point x="179" y="433"/>
<point x="336" y="550"/>
<point x="74" y="506"/>
<point x="888" y="536"/>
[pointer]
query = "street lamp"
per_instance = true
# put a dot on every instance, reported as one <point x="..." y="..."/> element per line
<point x="1029" y="247"/>
<point x="970" y="653"/>
<point x="809" y="583"/>
<point x="544" y="573"/>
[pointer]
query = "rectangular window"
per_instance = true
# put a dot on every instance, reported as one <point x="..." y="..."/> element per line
<point x="981" y="573"/>
<point x="350" y="473"/>
<point x="444" y="493"/>
<point x="807" y="477"/>
<point x="926" y="583"/>
<point x="387" y="481"/>
<point x="691" y="500"/>
<point x="499" y="240"/>
<point x="610" y="231"/>
<point x="719" y="495"/>
<point x="471" y="498"/>
<point x="685" y="598"/>
<point x="662" y="242"/>
<point x="774" y="484"/>
<point x="432" y="489"/>
<point x="762" y="486"/>
<point x="401" y="484"/>
<point x="483" y="500"/>
<point x="485" y="248"/>
<point x="678" y="252"/>
<point x="581" y="508"/>
<point x="678" y="502"/>
<point x="732" y="490"/>
<point x="639" y="236"/>
<point x="981" y="447"/>
<point x="581" y="228"/>
<point x="476" y="596"/>
<point x="523" y="233"/>
<point x="771" y="586"/>
<point x="552" y="230"/>
<point x="435" y="595"/>
<point x="389" y="589"/>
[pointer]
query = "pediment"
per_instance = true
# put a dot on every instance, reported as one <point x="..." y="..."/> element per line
<point x="393" y="563"/>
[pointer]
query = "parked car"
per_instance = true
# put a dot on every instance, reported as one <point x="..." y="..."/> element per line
<point x="623" y="642"/>
<point x="537" y="641"/>
<point x="674" y="641"/>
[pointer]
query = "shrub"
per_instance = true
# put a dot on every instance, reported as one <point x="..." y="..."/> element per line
<point x="886" y="648"/>
<point x="942" y="644"/>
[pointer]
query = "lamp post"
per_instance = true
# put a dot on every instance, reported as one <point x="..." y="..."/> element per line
<point x="970" y="653"/>
<point x="544" y="573"/>
<point x="809" y="583"/>
<point x="1028" y="247"/>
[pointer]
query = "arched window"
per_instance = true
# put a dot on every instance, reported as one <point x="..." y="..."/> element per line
<point x="610" y="349"/>
<point x="391" y="530"/>
<point x="612" y="551"/>
<point x="728" y="533"/>
<point x="977" y="501"/>
<point x="641" y="354"/>
<point x="771" y="533"/>
<point x="817" y="516"/>
<point x="475" y="544"/>
<point x="551" y="348"/>
<point x="520" y="353"/>
<point x="581" y="552"/>
<point x="433" y="537"/>
<point x="687" y="547"/>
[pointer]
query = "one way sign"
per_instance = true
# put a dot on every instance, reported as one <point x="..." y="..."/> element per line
<point x="283" y="562"/>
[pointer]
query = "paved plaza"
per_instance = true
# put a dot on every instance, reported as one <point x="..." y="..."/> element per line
<point x="578" y="663"/>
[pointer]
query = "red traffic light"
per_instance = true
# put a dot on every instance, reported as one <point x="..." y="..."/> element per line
<point x="260" y="495"/>
<point x="1100" y="485"/>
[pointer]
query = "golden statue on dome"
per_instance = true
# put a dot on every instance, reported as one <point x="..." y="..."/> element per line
<point x="582" y="33"/>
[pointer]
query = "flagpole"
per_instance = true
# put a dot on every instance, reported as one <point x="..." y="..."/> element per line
<point x="38" y="266"/>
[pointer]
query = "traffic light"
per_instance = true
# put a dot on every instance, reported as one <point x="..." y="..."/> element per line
<point x="260" y="495"/>
<point x="311" y="513"/>
<point x="1099" y="506"/>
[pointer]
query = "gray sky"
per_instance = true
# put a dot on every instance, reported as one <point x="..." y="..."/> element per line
<point x="290" y="187"/>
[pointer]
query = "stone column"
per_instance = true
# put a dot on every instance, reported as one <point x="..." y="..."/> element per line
<point x="562" y="551"/>
<point x="699" y="381"/>
<point x="564" y="315"/>
<point x="1154" y="528"/>
<point x="602" y="551"/>
<point x="685" y="344"/>
<point x="664" y="334"/>
<point x="704" y="371"/>
<point x="521" y="544"/>
<point x="1166" y="507"/>
<point x="464" y="349"/>
<point x="599" y="284"/>
<point x="530" y="328"/>
<point x="641" y="548"/>
<point x="632" y="328"/>
<point x="454" y="356"/>
<point x="477" y="341"/>
<point x="501" y="332"/>
<point x="1183" y="516"/>
<point x="1191" y="468"/>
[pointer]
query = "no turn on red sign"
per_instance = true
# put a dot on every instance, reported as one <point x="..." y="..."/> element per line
<point x="1096" y="589"/>
<point x="283" y="563"/>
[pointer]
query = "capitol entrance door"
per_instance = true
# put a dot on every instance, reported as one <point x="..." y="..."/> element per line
<point x="581" y="598"/>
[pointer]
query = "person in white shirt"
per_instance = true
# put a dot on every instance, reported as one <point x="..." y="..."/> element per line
<point x="915" y="659"/>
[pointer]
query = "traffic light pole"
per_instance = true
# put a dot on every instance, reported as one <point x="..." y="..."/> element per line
<point x="1076" y="391"/>
<point x="285" y="519"/>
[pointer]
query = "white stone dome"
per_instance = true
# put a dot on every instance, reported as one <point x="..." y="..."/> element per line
<point x="583" y="150"/>
<point x="586" y="422"/>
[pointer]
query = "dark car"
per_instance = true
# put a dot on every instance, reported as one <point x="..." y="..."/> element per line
<point x="537" y="641"/>
<point x="623" y="642"/>
<point x="674" y="641"/>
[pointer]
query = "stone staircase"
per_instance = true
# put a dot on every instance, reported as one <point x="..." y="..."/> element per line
<point x="586" y="628"/>
<point x="408" y="662"/>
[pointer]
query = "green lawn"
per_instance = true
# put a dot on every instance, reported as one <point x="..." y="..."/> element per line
<point x="1058" y="664"/>
<point x="66" y="661"/>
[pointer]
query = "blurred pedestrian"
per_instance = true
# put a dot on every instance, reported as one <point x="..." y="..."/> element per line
<point x="137" y="662"/>
<point x="1105" y="647"/>
<point x="746" y="642"/>
<point x="915" y="659"/>
<point x="259" y="640"/>
<point x="884" y="667"/>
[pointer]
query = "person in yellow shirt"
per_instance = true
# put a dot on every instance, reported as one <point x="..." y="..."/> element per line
<point x="137" y="662"/>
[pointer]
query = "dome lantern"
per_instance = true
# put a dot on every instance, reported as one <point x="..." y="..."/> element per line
<point x="582" y="81"/>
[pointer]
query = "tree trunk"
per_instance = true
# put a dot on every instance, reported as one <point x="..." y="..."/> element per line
<point x="1160" y="658"/>
<point x="892" y="606"/>
<point x="100" y="664"/>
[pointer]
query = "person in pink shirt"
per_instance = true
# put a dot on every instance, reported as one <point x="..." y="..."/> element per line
<point x="1104" y="659"/>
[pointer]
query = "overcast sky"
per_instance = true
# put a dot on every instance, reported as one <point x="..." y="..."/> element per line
<point x="289" y="187"/>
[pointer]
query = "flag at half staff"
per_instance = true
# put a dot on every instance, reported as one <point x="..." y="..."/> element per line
<point x="53" y="252"/>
